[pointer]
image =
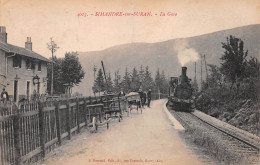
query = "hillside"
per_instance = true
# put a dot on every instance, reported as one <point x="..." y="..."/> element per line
<point x="163" y="55"/>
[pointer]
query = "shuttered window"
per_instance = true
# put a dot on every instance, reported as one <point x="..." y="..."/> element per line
<point x="17" y="61"/>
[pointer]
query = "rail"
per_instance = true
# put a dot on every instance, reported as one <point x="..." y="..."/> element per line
<point x="236" y="133"/>
<point x="244" y="137"/>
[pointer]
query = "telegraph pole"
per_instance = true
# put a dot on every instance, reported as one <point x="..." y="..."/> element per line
<point x="95" y="69"/>
<point x="52" y="46"/>
<point x="104" y="74"/>
<point x="52" y="72"/>
<point x="195" y="77"/>
<point x="206" y="66"/>
<point x="201" y="70"/>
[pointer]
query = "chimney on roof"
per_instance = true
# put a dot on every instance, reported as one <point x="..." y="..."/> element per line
<point x="28" y="43"/>
<point x="3" y="34"/>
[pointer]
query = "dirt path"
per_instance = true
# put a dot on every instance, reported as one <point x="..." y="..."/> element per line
<point x="146" y="138"/>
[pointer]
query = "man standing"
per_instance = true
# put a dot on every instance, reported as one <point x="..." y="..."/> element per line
<point x="144" y="99"/>
<point x="4" y="96"/>
<point x="149" y="97"/>
<point x="141" y="97"/>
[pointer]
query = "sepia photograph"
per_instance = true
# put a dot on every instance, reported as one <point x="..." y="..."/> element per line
<point x="154" y="82"/>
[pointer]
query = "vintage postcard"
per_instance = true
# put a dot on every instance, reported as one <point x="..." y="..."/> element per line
<point x="168" y="82"/>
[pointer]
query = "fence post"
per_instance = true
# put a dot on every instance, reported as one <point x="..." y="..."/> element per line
<point x="90" y="101"/>
<point x="85" y="112"/>
<point x="17" y="143"/>
<point x="78" y="113"/>
<point x="57" y="115"/>
<point x="41" y="127"/>
<point x="68" y="118"/>
<point x="119" y="106"/>
<point x="90" y="115"/>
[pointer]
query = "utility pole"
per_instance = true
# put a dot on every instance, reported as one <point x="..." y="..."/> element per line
<point x="104" y="74"/>
<point x="115" y="78"/>
<point x="52" y="46"/>
<point x="159" y="93"/>
<point x="95" y="69"/>
<point x="201" y="70"/>
<point x="195" y="78"/>
<point x="206" y="67"/>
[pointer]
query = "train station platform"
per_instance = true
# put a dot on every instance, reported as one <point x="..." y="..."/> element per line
<point x="147" y="138"/>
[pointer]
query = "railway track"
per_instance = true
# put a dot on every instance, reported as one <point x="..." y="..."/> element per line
<point x="242" y="144"/>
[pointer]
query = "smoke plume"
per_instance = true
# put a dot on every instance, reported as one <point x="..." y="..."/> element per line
<point x="184" y="53"/>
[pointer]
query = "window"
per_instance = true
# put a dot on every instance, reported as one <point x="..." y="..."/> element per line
<point x="32" y="65"/>
<point x="17" y="61"/>
<point x="39" y="66"/>
<point x="28" y="64"/>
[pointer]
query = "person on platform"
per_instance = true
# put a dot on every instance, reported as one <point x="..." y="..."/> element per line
<point x="144" y="98"/>
<point x="141" y="93"/>
<point x="4" y="96"/>
<point x="149" y="97"/>
<point x="121" y="93"/>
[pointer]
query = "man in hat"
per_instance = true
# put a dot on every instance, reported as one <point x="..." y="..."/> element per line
<point x="4" y="96"/>
<point x="141" y="93"/>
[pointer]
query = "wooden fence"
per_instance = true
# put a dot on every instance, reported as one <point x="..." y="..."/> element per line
<point x="30" y="131"/>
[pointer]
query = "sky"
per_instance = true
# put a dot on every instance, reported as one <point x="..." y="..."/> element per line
<point x="59" y="19"/>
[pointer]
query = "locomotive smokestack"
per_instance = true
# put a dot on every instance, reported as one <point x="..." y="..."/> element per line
<point x="184" y="78"/>
<point x="184" y="71"/>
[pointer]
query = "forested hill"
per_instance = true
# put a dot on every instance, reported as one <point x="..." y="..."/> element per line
<point x="162" y="55"/>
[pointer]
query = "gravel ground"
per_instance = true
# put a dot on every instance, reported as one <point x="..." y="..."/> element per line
<point x="148" y="138"/>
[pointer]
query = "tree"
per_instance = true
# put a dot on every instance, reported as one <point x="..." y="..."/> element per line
<point x="233" y="60"/>
<point x="57" y="76"/>
<point x="157" y="80"/>
<point x="72" y="72"/>
<point x="252" y="68"/>
<point x="215" y="77"/>
<point x="99" y="84"/>
<point x="109" y="83"/>
<point x="141" y="74"/>
<point x="126" y="82"/>
<point x="116" y="87"/>
<point x="252" y="75"/>
<point x="164" y="83"/>
<point x="135" y="83"/>
<point x="148" y="80"/>
<point x="52" y="46"/>
<point x="195" y="87"/>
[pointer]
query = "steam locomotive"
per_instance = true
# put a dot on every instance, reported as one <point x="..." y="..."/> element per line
<point x="180" y="93"/>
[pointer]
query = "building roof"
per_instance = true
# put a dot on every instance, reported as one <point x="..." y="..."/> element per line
<point x="22" y="51"/>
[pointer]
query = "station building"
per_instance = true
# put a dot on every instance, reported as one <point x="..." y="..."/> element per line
<point x="23" y="72"/>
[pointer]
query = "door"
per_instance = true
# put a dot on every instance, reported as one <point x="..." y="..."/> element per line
<point x="27" y="90"/>
<point x="15" y="90"/>
<point x="38" y="87"/>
